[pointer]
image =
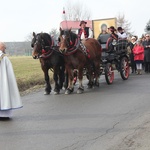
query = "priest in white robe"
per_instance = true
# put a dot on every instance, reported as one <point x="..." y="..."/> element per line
<point x="9" y="94"/>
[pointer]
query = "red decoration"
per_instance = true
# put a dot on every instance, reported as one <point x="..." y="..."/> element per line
<point x="89" y="56"/>
<point x="43" y="51"/>
<point x="63" y="11"/>
<point x="71" y="43"/>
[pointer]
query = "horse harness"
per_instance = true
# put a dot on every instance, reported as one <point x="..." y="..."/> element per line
<point x="84" y="49"/>
<point x="78" y="46"/>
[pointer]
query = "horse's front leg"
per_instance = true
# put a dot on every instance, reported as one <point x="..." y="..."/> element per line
<point x="62" y="76"/>
<point x="56" y="79"/>
<point x="48" y="86"/>
<point x="70" y="87"/>
<point x="80" y="77"/>
<point x="66" y="80"/>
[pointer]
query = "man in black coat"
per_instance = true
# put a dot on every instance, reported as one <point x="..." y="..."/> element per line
<point x="146" y="45"/>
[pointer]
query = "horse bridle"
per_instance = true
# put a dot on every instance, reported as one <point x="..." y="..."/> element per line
<point x="44" y="47"/>
<point x="67" y="38"/>
<point x="43" y="51"/>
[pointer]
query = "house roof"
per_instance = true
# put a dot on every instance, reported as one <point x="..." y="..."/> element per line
<point x="74" y="24"/>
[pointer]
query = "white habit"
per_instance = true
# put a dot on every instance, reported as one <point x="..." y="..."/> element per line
<point x="9" y="93"/>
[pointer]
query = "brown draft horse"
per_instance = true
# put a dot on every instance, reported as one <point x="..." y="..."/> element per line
<point x="80" y="55"/>
<point x="50" y="58"/>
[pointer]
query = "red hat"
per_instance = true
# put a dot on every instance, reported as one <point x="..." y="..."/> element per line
<point x="82" y="22"/>
<point x="112" y="28"/>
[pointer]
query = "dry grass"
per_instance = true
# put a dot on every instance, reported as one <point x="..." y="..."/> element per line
<point x="28" y="72"/>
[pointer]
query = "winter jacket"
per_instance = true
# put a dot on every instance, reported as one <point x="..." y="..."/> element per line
<point x="146" y="51"/>
<point x="138" y="52"/>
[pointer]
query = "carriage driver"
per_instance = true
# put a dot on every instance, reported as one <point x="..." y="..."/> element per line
<point x="84" y="32"/>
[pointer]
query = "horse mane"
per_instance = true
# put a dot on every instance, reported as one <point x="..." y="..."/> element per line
<point x="47" y="38"/>
<point x="73" y="36"/>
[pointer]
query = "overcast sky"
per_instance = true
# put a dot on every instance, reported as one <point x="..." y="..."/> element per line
<point x="19" y="18"/>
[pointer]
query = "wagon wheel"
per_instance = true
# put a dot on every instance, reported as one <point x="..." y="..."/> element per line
<point x="109" y="73"/>
<point x="124" y="68"/>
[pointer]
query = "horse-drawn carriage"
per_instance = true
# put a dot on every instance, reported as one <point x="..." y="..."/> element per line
<point x="72" y="54"/>
<point x="114" y="58"/>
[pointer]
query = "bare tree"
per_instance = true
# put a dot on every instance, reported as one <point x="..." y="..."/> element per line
<point x="54" y="34"/>
<point x="147" y="28"/>
<point x="29" y="37"/>
<point x="76" y="11"/>
<point x="122" y="22"/>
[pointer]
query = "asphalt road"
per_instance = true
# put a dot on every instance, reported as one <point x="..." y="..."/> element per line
<point x="111" y="117"/>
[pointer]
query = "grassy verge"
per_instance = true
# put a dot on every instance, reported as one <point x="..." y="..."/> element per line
<point x="28" y="72"/>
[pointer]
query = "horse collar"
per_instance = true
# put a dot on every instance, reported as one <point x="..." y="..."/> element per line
<point x="46" y="54"/>
<point x="74" y="48"/>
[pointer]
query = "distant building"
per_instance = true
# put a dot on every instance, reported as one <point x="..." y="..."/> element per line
<point x="19" y="48"/>
<point x="74" y="25"/>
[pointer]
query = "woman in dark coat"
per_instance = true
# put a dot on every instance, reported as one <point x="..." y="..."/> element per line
<point x="132" y="43"/>
<point x="146" y="45"/>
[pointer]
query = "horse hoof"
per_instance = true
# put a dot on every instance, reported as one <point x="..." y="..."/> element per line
<point x="56" y="93"/>
<point x="80" y="90"/>
<point x="46" y="93"/>
<point x="69" y="91"/>
<point x="97" y="84"/>
<point x="63" y="88"/>
<point x="90" y="87"/>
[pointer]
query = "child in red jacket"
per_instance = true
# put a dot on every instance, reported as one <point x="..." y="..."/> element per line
<point x="138" y="52"/>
